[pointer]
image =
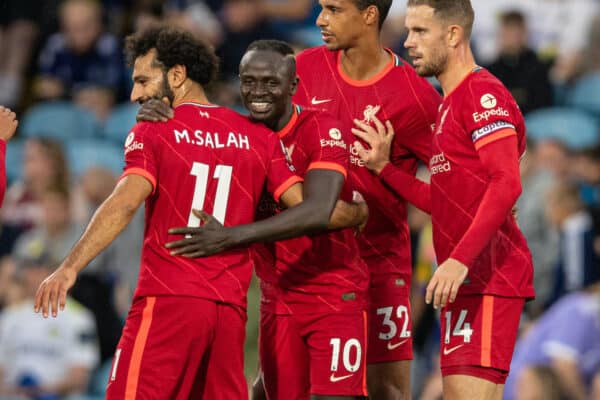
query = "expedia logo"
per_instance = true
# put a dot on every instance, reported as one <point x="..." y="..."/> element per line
<point x="488" y="101"/>
<point x="354" y="158"/>
<point x="129" y="139"/>
<point x="333" y="143"/>
<point x="481" y="116"/>
<point x="335" y="134"/>
<point x="134" y="146"/>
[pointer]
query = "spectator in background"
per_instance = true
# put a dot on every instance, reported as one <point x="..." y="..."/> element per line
<point x="539" y="383"/>
<point x="518" y="67"/>
<point x="586" y="168"/>
<point x="578" y="265"/>
<point x="567" y="339"/>
<point x="40" y="357"/>
<point x="18" y="34"/>
<point x="56" y="231"/>
<point x="82" y="62"/>
<point x="537" y="179"/>
<point x="44" y="166"/>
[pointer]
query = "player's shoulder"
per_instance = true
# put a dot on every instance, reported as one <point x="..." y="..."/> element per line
<point x="313" y="54"/>
<point x="317" y="120"/>
<point x="482" y="82"/>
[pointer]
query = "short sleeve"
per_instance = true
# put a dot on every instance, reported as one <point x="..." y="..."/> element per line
<point x="571" y="341"/>
<point x="489" y="114"/>
<point x="414" y="127"/>
<point x="139" y="150"/>
<point x="280" y="173"/>
<point x="330" y="148"/>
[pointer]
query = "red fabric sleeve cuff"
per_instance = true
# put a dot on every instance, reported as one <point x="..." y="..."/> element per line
<point x="143" y="173"/>
<point x="285" y="186"/>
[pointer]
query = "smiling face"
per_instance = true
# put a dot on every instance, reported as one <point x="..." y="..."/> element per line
<point x="267" y="84"/>
<point x="341" y="23"/>
<point x="426" y="41"/>
<point x="150" y="80"/>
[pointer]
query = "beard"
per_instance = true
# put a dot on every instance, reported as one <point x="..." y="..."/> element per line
<point x="166" y="91"/>
<point x="435" y="66"/>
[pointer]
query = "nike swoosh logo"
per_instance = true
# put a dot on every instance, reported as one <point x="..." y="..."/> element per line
<point x="452" y="349"/>
<point x="334" y="378"/>
<point x="391" y="346"/>
<point x="314" y="101"/>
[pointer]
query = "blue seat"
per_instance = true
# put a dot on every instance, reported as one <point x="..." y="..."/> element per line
<point x="14" y="159"/>
<point x="586" y="94"/>
<point x="85" y="153"/>
<point x="60" y="120"/>
<point x="120" y="121"/>
<point x="575" y="128"/>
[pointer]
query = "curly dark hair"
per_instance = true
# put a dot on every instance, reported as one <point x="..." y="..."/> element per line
<point x="174" y="47"/>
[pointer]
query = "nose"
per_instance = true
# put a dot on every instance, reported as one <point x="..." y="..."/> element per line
<point x="321" y="20"/>
<point x="409" y="43"/>
<point x="136" y="93"/>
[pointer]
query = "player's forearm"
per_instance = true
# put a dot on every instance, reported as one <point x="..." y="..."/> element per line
<point x="304" y="219"/>
<point x="348" y="215"/>
<point x="108" y="222"/>
<point x="496" y="205"/>
<point x="407" y="186"/>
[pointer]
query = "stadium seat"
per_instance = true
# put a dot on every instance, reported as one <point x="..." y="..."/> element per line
<point x="85" y="153"/>
<point x="585" y="94"/>
<point x="575" y="128"/>
<point x="120" y="121"/>
<point x="60" y="120"/>
<point x="14" y="159"/>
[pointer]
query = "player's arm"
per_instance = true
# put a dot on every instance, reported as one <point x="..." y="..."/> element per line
<point x="377" y="159"/>
<point x="8" y="126"/>
<point x="500" y="159"/>
<point x="107" y="223"/>
<point x="344" y="215"/>
<point x="321" y="190"/>
<point x="572" y="381"/>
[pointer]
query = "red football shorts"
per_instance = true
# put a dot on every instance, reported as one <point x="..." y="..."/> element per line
<point x="180" y="348"/>
<point x="318" y="354"/>
<point x="390" y="322"/>
<point x="479" y="331"/>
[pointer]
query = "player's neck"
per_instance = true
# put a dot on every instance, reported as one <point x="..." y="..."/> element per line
<point x="364" y="61"/>
<point x="460" y="65"/>
<point x="190" y="93"/>
<point x="282" y="122"/>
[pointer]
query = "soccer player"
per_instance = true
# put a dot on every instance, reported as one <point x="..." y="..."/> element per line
<point x="355" y="78"/>
<point x="8" y="126"/>
<point x="184" y="335"/>
<point x="313" y="322"/>
<point x="485" y="272"/>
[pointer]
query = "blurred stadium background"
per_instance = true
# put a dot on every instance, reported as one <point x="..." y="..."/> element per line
<point x="62" y="70"/>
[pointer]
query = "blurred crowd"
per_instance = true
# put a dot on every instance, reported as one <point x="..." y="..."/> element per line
<point x="62" y="69"/>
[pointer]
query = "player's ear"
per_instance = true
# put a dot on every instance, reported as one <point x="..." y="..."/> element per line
<point x="177" y="75"/>
<point x="455" y="35"/>
<point x="295" y="85"/>
<point x="371" y="15"/>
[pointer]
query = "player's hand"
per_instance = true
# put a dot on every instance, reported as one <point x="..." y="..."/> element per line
<point x="363" y="208"/>
<point x="155" y="110"/>
<point x="208" y="239"/>
<point x="8" y="123"/>
<point x="379" y="139"/>
<point x="446" y="281"/>
<point x="52" y="293"/>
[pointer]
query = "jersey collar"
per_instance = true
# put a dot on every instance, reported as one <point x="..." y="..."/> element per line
<point x="290" y="125"/>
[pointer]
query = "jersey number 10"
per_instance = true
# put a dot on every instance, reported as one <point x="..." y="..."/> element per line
<point x="201" y="172"/>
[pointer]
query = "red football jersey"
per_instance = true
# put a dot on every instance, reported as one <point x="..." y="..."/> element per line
<point x="320" y="273"/>
<point x="397" y="94"/>
<point x="211" y="158"/>
<point x="479" y="111"/>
